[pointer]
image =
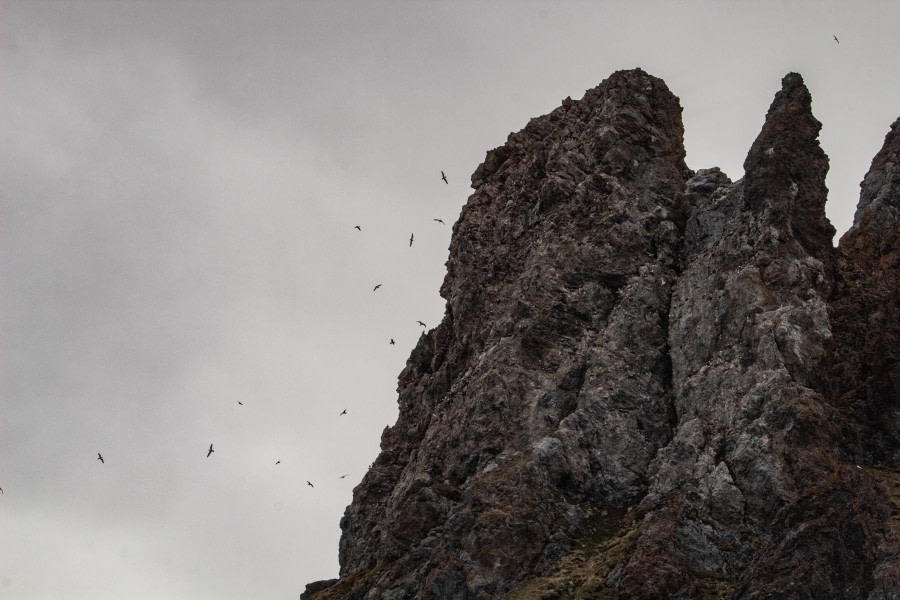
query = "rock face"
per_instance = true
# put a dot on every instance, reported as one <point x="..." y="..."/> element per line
<point x="649" y="382"/>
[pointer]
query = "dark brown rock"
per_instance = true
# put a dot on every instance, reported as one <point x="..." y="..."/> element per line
<point x="649" y="382"/>
<point x="873" y="242"/>
<point x="317" y="586"/>
<point x="785" y="168"/>
<point x="865" y="314"/>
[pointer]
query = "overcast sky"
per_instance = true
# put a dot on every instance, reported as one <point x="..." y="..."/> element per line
<point x="180" y="184"/>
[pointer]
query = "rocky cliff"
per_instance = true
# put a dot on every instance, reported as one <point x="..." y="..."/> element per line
<point x="649" y="382"/>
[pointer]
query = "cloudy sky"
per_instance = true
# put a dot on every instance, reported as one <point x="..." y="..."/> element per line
<point x="179" y="186"/>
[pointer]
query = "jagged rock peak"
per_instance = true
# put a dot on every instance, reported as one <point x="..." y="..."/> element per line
<point x="648" y="382"/>
<point x="784" y="172"/>
<point x="874" y="239"/>
<point x="793" y="95"/>
<point x="865" y="311"/>
<point x="625" y="95"/>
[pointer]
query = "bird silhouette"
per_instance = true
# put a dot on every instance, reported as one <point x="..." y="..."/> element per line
<point x="241" y="403"/>
<point x="357" y="227"/>
<point x="376" y="287"/>
<point x="100" y="458"/>
<point x="439" y="221"/>
<point x="210" y="451"/>
<point x="422" y="324"/>
<point x="277" y="462"/>
<point x="310" y="485"/>
<point x="344" y="412"/>
<point x="342" y="476"/>
<point x="444" y="177"/>
<point x="410" y="240"/>
<point x="392" y="341"/>
<point x="835" y="38"/>
<point x="1" y="490"/>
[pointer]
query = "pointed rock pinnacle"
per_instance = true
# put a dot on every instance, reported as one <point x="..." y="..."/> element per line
<point x="784" y="172"/>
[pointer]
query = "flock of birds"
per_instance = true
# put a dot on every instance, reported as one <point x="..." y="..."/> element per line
<point x="210" y="451"/>
<point x="411" y="238"/>
<point x="392" y="342"/>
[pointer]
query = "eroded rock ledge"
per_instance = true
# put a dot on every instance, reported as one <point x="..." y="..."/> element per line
<point x="649" y="382"/>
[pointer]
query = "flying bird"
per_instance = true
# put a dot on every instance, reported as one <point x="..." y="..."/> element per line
<point x="310" y="485"/>
<point x="343" y="413"/>
<point x="392" y="341"/>
<point x="439" y="221"/>
<point x="376" y="287"/>
<point x="241" y="403"/>
<point x="277" y="462"/>
<point x="210" y="451"/>
<point x="342" y="476"/>
<point x="422" y="324"/>
<point x="1" y="490"/>
<point x="835" y="38"/>
<point x="444" y="177"/>
<point x="410" y="240"/>
<point x="357" y="227"/>
<point x="100" y="458"/>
